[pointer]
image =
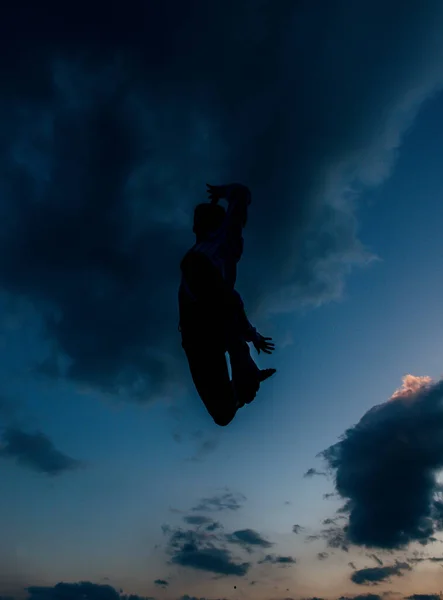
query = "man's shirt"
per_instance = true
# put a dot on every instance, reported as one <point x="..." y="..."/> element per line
<point x="209" y="268"/>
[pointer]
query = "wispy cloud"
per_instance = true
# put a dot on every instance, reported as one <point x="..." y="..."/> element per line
<point x="36" y="451"/>
<point x="311" y="472"/>
<point x="248" y="537"/>
<point x="375" y="575"/>
<point x="297" y="528"/>
<point x="279" y="560"/>
<point x="221" y="502"/>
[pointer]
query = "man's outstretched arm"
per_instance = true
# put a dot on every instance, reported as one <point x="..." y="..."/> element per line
<point x="238" y="197"/>
<point x="247" y="330"/>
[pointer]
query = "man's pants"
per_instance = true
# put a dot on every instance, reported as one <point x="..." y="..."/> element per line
<point x="207" y="363"/>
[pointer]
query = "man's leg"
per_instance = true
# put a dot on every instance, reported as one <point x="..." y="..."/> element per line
<point x="209" y="371"/>
<point x="245" y="373"/>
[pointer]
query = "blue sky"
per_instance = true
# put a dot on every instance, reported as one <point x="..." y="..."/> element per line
<point x="113" y="472"/>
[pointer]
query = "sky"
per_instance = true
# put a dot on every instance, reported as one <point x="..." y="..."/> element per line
<point x="116" y="483"/>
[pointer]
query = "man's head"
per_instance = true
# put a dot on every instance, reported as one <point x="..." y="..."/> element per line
<point x="207" y="218"/>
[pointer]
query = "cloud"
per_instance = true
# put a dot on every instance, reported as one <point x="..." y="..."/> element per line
<point x="248" y="537"/>
<point x="385" y="469"/>
<point x="374" y="575"/>
<point x="335" y="538"/>
<point x="362" y="597"/>
<point x="202" y="551"/>
<point x="221" y="502"/>
<point x="196" y="519"/>
<point x="297" y="528"/>
<point x="109" y="136"/>
<point x="214" y="526"/>
<point x="161" y="583"/>
<point x="200" y="520"/>
<point x="423" y="597"/>
<point x="376" y="558"/>
<point x="278" y="560"/>
<point x="215" y="560"/>
<point x="84" y="590"/>
<point x="311" y="472"/>
<point x="312" y="538"/>
<point x="203" y="446"/>
<point x="322" y="555"/>
<point x="36" y="451"/>
<point x="330" y="521"/>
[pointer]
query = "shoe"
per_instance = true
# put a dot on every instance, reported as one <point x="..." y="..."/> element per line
<point x="262" y="376"/>
<point x="265" y="374"/>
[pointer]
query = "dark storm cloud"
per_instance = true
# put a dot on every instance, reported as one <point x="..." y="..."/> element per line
<point x="111" y="127"/>
<point x="249" y="537"/>
<point x="202" y="551"/>
<point x="374" y="575"/>
<point x="84" y="590"/>
<point x="35" y="451"/>
<point x="385" y="469"/>
<point x="220" y="502"/>
<point x="278" y="560"/>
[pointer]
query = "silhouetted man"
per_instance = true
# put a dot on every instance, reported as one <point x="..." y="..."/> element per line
<point x="212" y="316"/>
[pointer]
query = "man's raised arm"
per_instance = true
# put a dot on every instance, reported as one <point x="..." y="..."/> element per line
<point x="238" y="197"/>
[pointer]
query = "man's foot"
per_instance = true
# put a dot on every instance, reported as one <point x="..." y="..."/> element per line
<point x="265" y="374"/>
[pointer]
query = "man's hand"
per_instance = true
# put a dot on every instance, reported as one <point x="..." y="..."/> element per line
<point x="217" y="192"/>
<point x="264" y="344"/>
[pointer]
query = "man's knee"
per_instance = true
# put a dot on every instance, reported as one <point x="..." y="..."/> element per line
<point x="222" y="419"/>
